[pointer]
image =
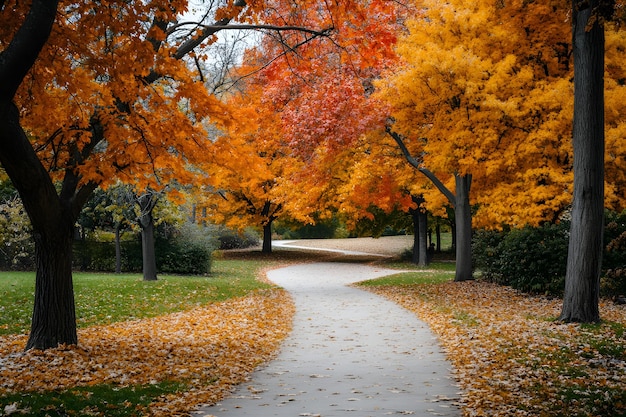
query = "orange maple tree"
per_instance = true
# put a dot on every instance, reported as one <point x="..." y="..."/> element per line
<point x="126" y="106"/>
<point x="302" y="110"/>
<point x="251" y="170"/>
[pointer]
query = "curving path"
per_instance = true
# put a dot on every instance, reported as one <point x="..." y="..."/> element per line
<point x="351" y="353"/>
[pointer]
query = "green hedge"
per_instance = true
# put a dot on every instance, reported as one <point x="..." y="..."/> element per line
<point x="188" y="252"/>
<point x="533" y="259"/>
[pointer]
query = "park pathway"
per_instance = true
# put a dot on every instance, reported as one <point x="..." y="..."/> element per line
<point x="351" y="353"/>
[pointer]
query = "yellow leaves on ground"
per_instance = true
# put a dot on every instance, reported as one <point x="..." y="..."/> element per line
<point x="209" y="348"/>
<point x="512" y="359"/>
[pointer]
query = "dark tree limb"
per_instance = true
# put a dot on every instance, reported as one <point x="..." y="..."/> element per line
<point x="20" y="55"/>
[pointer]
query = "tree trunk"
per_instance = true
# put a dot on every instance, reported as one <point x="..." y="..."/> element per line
<point x="422" y="218"/>
<point x="584" y="258"/>
<point x="267" y="237"/>
<point x="52" y="217"/>
<point x="415" y="256"/>
<point x="118" y="250"/>
<point x="54" y="314"/>
<point x="420" y="233"/>
<point x="147" y="248"/>
<point x="463" y="226"/>
<point x="438" y="236"/>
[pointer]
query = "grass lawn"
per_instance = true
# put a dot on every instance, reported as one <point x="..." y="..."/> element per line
<point x="144" y="347"/>
<point x="109" y="298"/>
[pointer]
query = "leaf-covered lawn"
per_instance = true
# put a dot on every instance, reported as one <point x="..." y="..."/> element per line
<point x="207" y="350"/>
<point x="513" y="359"/>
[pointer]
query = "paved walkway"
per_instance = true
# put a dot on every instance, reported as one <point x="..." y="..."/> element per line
<point x="351" y="353"/>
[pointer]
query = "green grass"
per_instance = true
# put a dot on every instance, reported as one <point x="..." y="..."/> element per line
<point x="97" y="400"/>
<point x="109" y="298"/>
<point x="440" y="273"/>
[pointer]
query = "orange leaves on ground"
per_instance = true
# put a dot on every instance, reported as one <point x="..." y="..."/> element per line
<point x="209" y="348"/>
<point x="512" y="359"/>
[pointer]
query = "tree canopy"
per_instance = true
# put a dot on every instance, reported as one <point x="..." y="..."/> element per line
<point x="477" y="94"/>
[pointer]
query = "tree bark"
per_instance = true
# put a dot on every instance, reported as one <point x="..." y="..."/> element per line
<point x="420" y="241"/>
<point x="54" y="314"/>
<point x="438" y="236"/>
<point x="415" y="256"/>
<point x="267" y="237"/>
<point x="147" y="202"/>
<point x="584" y="258"/>
<point x="463" y="223"/>
<point x="148" y="253"/>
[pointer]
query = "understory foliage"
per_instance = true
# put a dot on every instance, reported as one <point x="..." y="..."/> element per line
<point x="512" y="358"/>
<point x="17" y="248"/>
<point x="187" y="250"/>
<point x="533" y="259"/>
<point x="206" y="350"/>
<point x="530" y="259"/>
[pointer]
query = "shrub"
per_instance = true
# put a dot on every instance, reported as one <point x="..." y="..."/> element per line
<point x="230" y="239"/>
<point x="486" y="255"/>
<point x="614" y="260"/>
<point x="532" y="259"/>
<point x="189" y="252"/>
<point x="17" y="249"/>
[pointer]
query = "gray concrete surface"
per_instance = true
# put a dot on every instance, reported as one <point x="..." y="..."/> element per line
<point x="351" y="353"/>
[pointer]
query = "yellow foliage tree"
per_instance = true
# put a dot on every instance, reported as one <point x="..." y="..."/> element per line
<point x="456" y="104"/>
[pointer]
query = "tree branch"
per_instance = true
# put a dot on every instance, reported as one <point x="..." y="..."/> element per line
<point x="417" y="165"/>
<point x="276" y="28"/>
<point x="18" y="58"/>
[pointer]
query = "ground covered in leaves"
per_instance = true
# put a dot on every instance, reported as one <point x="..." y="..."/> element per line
<point x="206" y="350"/>
<point x="512" y="358"/>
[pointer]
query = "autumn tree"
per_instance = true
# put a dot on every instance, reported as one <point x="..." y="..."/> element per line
<point x="584" y="259"/>
<point x="377" y="182"/>
<point x="250" y="171"/>
<point x="457" y="113"/>
<point x="320" y="95"/>
<point x="126" y="106"/>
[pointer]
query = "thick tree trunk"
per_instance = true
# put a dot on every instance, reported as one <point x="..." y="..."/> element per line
<point x="584" y="258"/>
<point x="463" y="226"/>
<point x="148" y="253"/>
<point x="54" y="314"/>
<point x="267" y="237"/>
<point x="52" y="218"/>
